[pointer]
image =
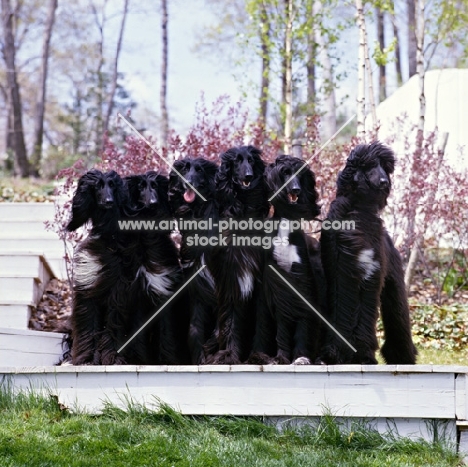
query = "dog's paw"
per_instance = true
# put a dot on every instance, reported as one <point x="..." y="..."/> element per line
<point x="259" y="358"/>
<point x="226" y="357"/>
<point x="302" y="361"/>
<point x="281" y="360"/>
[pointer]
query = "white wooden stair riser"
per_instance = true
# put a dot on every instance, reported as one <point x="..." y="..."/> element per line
<point x="15" y="316"/>
<point x="26" y="289"/>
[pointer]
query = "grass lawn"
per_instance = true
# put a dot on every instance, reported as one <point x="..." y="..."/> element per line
<point x="35" y="432"/>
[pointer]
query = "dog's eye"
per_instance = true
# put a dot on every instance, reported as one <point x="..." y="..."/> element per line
<point x="286" y="172"/>
<point x="111" y="184"/>
<point x="153" y="185"/>
<point x="198" y="169"/>
<point x="239" y="157"/>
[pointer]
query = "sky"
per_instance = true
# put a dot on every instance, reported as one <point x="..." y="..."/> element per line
<point x="189" y="74"/>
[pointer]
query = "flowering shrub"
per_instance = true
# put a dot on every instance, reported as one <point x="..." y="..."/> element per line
<point x="432" y="206"/>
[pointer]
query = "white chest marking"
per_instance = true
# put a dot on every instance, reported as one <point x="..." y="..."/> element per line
<point x="86" y="270"/>
<point x="368" y="263"/>
<point x="159" y="283"/>
<point x="284" y="254"/>
<point x="246" y="284"/>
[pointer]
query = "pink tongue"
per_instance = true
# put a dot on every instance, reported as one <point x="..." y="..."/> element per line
<point x="189" y="196"/>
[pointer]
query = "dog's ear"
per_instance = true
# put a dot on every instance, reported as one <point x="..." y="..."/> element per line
<point x="346" y="179"/>
<point x="223" y="179"/>
<point x="308" y="182"/>
<point x="259" y="165"/>
<point x="84" y="200"/>
<point x="131" y="184"/>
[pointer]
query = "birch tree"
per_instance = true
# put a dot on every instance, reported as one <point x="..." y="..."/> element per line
<point x="164" y="65"/>
<point x="412" y="235"/>
<point x="115" y="69"/>
<point x="361" y="91"/>
<point x="288" y="90"/>
<point x="329" y="99"/>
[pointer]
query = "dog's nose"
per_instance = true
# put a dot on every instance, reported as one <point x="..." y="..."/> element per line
<point x="109" y="200"/>
<point x="248" y="177"/>
<point x="295" y="191"/>
<point x="383" y="182"/>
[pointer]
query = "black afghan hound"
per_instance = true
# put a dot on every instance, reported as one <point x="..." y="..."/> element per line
<point x="289" y="330"/>
<point x="362" y="266"/>
<point x="98" y="198"/>
<point x="152" y="271"/>
<point x="236" y="265"/>
<point x="196" y="219"/>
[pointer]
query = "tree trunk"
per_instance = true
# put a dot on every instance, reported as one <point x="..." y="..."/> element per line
<point x="396" y="34"/>
<point x="288" y="78"/>
<point x="9" y="53"/>
<point x="99" y="136"/>
<point x="329" y="100"/>
<point x="265" y="45"/>
<point x="412" y="234"/>
<point x="361" y="92"/>
<point x="164" y="66"/>
<point x="310" y="66"/>
<point x="110" y="104"/>
<point x="411" y="38"/>
<point x="382" y="67"/>
<point x="40" y="104"/>
<point x="369" y="76"/>
<point x="420" y="29"/>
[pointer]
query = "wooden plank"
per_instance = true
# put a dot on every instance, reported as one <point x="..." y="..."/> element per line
<point x="24" y="347"/>
<point x="461" y="396"/>
<point x="210" y="391"/>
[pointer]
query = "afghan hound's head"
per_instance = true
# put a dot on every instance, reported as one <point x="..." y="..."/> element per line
<point x="147" y="195"/>
<point x="366" y="176"/>
<point x="298" y="196"/>
<point x="200" y="174"/>
<point x="98" y="197"/>
<point x="240" y="182"/>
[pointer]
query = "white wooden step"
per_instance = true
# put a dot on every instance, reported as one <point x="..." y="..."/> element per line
<point x="14" y="262"/>
<point x="20" y="264"/>
<point x="20" y="347"/>
<point x="31" y="211"/>
<point x="25" y="228"/>
<point x="47" y="246"/>
<point x="25" y="289"/>
<point x="15" y="316"/>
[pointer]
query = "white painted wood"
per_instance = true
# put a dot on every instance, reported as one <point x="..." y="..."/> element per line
<point x="32" y="211"/>
<point x="15" y="316"/>
<point x="12" y="227"/>
<point x="15" y="264"/>
<point x="420" y="401"/>
<point x="461" y="388"/>
<point x="215" y="391"/>
<point x="19" y="288"/>
<point x="46" y="246"/>
<point x="21" y="347"/>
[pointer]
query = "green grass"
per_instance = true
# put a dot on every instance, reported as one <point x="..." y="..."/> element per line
<point x="437" y="356"/>
<point x="35" y="432"/>
<point x="21" y="190"/>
